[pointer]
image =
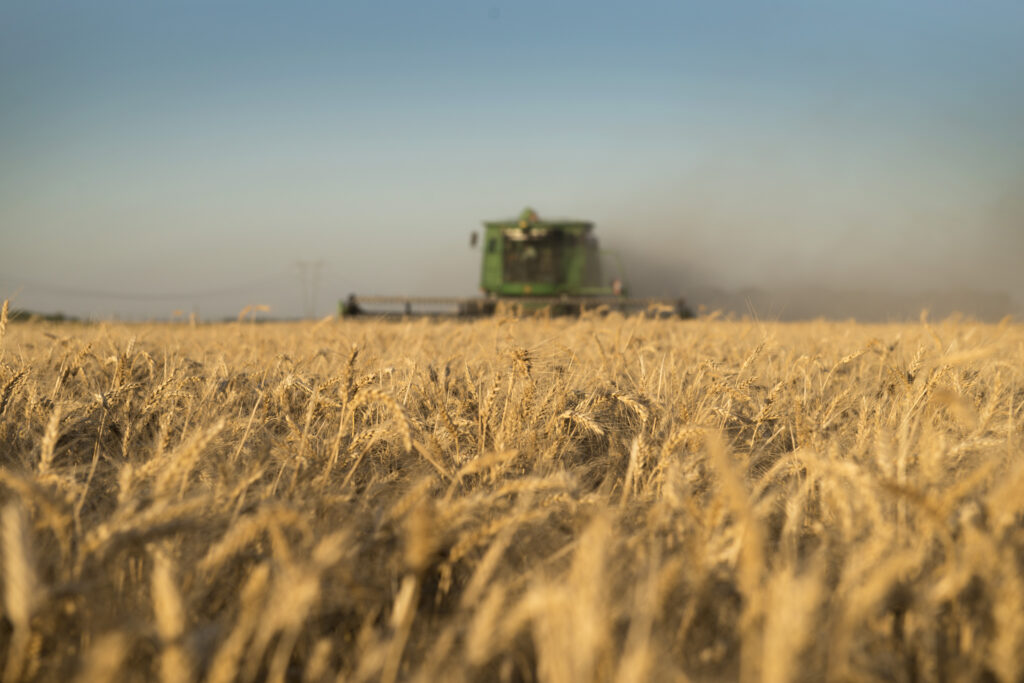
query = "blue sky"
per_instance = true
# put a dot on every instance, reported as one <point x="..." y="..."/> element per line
<point x="179" y="155"/>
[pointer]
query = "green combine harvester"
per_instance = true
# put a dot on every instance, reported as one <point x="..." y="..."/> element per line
<point x="531" y="265"/>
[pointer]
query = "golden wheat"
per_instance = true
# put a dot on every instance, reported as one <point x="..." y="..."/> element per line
<point x="605" y="498"/>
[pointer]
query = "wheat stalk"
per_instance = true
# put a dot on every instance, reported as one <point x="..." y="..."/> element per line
<point x="3" y="319"/>
<point x="169" y="609"/>
<point x="22" y="592"/>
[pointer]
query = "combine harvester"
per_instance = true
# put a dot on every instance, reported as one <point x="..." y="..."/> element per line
<point x="530" y="265"/>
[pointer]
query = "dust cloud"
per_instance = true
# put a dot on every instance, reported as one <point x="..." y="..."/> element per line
<point x="787" y="257"/>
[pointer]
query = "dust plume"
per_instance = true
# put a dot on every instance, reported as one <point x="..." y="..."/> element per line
<point x="772" y="248"/>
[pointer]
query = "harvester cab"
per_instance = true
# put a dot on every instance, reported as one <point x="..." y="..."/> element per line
<point x="531" y="257"/>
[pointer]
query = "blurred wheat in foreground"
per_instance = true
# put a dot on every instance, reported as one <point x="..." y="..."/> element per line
<point x="602" y="499"/>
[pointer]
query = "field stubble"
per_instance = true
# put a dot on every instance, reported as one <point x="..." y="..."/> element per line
<point x="602" y="499"/>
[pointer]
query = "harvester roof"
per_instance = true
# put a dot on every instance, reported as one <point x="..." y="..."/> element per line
<point x="529" y="218"/>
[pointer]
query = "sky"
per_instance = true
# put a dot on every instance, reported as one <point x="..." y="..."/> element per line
<point x="191" y="156"/>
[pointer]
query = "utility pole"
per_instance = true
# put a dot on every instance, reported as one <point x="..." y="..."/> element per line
<point x="317" y="266"/>
<point x="309" y="281"/>
<point x="303" y="266"/>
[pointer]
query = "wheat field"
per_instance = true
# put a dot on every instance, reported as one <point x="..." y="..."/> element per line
<point x="597" y="499"/>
